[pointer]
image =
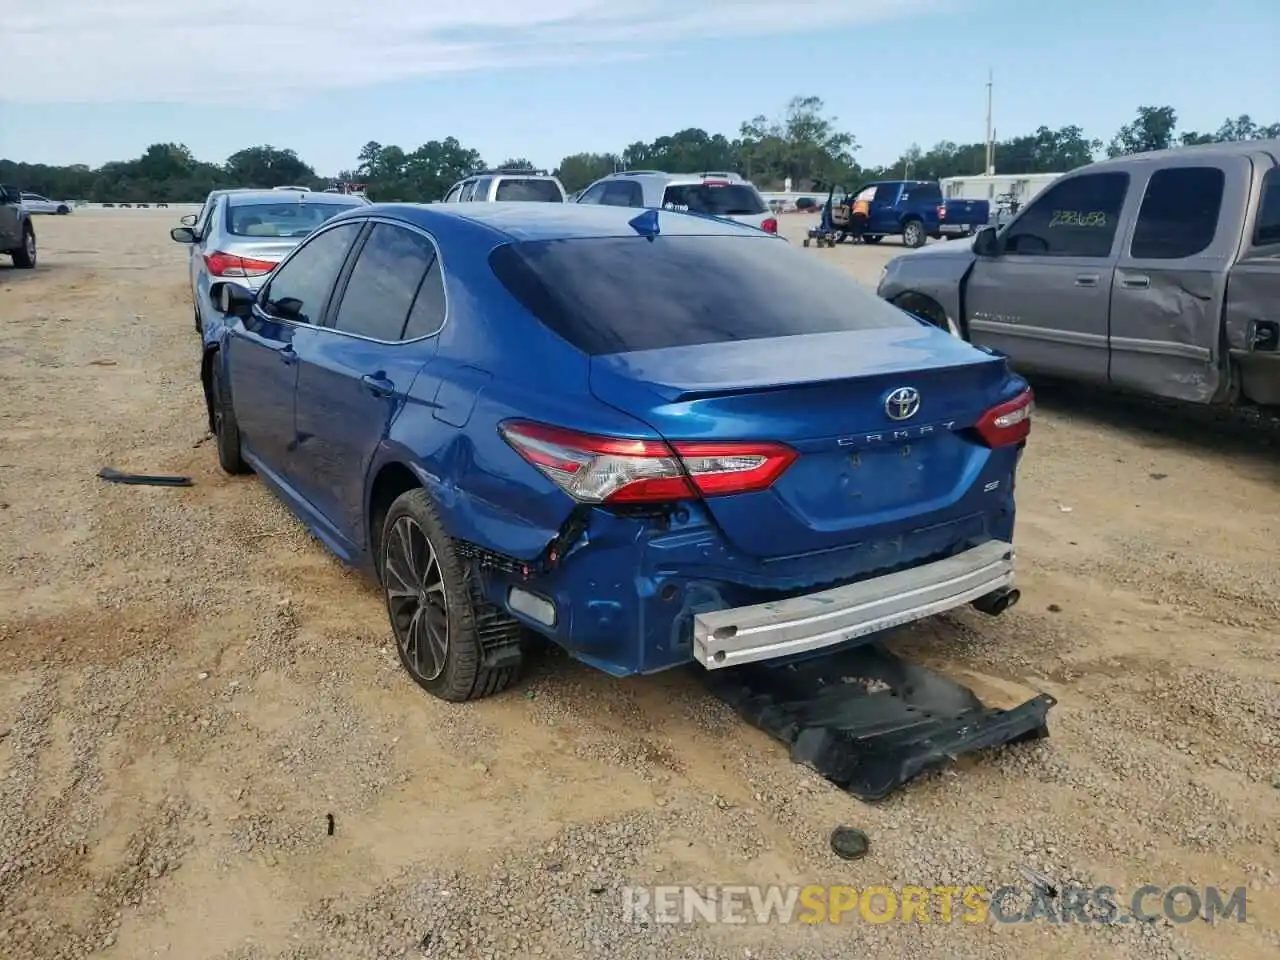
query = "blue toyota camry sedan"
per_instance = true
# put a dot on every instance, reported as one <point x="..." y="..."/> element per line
<point x="652" y="437"/>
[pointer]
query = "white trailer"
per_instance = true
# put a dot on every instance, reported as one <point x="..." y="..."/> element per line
<point x="1019" y="186"/>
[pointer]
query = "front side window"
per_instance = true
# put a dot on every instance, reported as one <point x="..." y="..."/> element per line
<point x="1073" y="218"/>
<point x="384" y="282"/>
<point x="1179" y="213"/>
<point x="300" y="289"/>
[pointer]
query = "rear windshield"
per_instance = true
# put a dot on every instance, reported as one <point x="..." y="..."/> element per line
<point x="280" y="219"/>
<point x="621" y="294"/>
<point x="924" y="191"/>
<point x="545" y="191"/>
<point x="728" y="200"/>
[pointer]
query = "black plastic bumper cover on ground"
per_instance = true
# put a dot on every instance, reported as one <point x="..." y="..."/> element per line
<point x="869" y="721"/>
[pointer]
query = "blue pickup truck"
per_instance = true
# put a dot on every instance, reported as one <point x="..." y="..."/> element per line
<point x="911" y="209"/>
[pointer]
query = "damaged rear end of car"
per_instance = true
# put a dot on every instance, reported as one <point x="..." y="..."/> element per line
<point x="762" y="460"/>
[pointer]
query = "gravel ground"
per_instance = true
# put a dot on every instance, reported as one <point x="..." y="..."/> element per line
<point x="190" y="687"/>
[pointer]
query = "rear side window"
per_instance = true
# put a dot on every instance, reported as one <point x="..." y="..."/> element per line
<point x="1179" y="213"/>
<point x="1072" y="218"/>
<point x="622" y="294"/>
<point x="529" y="188"/>
<point x="480" y="192"/>
<point x="279" y="219"/>
<point x="885" y="193"/>
<point x="384" y="283"/>
<point x="727" y="200"/>
<point x="1267" y="229"/>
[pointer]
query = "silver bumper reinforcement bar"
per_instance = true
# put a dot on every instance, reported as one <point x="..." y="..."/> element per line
<point x="783" y="628"/>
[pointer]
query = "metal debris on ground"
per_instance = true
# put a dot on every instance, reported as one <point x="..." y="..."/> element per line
<point x="112" y="475"/>
<point x="872" y="736"/>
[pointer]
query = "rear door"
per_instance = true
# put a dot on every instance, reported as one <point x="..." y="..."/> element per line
<point x="1045" y="299"/>
<point x="1170" y="282"/>
<point x="743" y="338"/>
<point x="731" y="199"/>
<point x="354" y="374"/>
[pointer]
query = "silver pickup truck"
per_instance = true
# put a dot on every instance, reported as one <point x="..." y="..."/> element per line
<point x="17" y="235"/>
<point x="1157" y="273"/>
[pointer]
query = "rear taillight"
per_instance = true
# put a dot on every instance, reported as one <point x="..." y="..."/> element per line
<point x="942" y="211"/>
<point x="228" y="265"/>
<point x="1009" y="422"/>
<point x="594" y="469"/>
<point x="770" y="226"/>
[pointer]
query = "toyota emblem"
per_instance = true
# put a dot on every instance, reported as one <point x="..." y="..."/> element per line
<point x="903" y="403"/>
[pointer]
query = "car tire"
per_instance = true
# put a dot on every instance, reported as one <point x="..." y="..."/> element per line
<point x="24" y="257"/>
<point x="63" y="210"/>
<point x="806" y="241"/>
<point x="913" y="234"/>
<point x="452" y="641"/>
<point x="226" y="431"/>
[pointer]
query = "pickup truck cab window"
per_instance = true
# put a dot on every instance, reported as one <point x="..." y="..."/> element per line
<point x="1179" y="213"/>
<point x="1266" y="229"/>
<point x="1077" y="217"/>
<point x="595" y="194"/>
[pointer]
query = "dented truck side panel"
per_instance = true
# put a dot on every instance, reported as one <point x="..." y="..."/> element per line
<point x="1252" y="319"/>
<point x="1166" y="310"/>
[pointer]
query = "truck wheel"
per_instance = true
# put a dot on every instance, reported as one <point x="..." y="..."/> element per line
<point x="446" y="631"/>
<point x="25" y="255"/>
<point x="806" y="241"/>
<point x="913" y="234"/>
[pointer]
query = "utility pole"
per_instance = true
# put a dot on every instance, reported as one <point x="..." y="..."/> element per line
<point x="991" y="147"/>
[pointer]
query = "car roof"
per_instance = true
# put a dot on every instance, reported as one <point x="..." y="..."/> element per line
<point x="525" y="221"/>
<point x="253" y="197"/>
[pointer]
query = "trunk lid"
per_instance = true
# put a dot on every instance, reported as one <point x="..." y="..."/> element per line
<point x="824" y="394"/>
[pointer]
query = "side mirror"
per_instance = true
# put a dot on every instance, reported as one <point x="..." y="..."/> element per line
<point x="986" y="242"/>
<point x="189" y="220"/>
<point x="232" y="299"/>
<point x="183" y="234"/>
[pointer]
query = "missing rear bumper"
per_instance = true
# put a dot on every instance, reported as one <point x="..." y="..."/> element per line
<point x="784" y="628"/>
<point x="869" y="721"/>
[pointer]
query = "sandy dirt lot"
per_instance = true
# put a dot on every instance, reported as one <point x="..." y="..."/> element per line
<point x="190" y="686"/>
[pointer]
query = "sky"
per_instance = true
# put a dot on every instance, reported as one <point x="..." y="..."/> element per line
<point x="87" y="81"/>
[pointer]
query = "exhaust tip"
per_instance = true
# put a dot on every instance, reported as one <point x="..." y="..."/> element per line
<point x="997" y="601"/>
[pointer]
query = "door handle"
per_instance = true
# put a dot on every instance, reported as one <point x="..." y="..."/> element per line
<point x="1136" y="283"/>
<point x="1087" y="280"/>
<point x="378" y="385"/>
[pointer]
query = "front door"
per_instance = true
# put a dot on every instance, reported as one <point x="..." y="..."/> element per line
<point x="1171" y="279"/>
<point x="262" y="358"/>
<point x="1044" y="299"/>
<point x="354" y="377"/>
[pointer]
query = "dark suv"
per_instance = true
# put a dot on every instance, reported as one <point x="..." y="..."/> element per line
<point x="17" y="235"/>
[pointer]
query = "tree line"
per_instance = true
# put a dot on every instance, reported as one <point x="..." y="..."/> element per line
<point x="803" y="144"/>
